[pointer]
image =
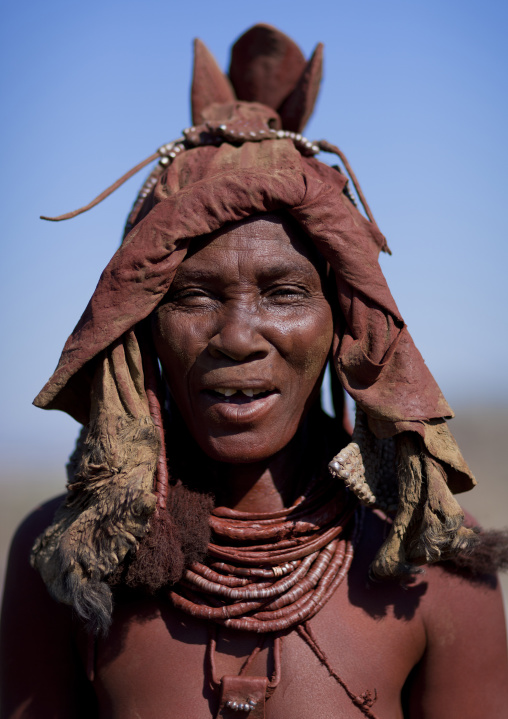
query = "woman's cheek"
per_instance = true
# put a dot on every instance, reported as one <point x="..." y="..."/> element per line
<point x="308" y="345"/>
<point x="178" y="340"/>
<point x="316" y="359"/>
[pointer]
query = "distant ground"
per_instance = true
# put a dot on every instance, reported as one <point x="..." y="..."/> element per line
<point x="481" y="432"/>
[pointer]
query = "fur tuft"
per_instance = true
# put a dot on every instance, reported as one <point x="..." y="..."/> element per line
<point x="159" y="559"/>
<point x="490" y="555"/>
<point x="177" y="538"/>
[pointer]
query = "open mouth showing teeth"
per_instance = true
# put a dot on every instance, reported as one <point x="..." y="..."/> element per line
<point x="228" y="394"/>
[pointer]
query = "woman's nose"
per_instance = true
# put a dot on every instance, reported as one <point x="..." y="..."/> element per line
<point x="239" y="337"/>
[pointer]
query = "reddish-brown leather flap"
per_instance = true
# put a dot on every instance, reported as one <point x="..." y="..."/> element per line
<point x="240" y="690"/>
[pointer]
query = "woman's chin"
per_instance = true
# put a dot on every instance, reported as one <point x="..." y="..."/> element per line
<point x="238" y="449"/>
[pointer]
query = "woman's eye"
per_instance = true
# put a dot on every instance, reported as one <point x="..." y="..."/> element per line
<point x="288" y="293"/>
<point x="189" y="297"/>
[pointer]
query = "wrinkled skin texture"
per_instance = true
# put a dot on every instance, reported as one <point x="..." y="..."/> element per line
<point x="433" y="650"/>
<point x="248" y="310"/>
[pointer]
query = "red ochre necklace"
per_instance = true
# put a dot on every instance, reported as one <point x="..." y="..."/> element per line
<point x="270" y="573"/>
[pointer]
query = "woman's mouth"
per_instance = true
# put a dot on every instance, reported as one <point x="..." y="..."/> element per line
<point x="239" y="396"/>
<point x="239" y="404"/>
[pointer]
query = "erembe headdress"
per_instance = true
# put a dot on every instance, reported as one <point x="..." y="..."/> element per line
<point x="244" y="156"/>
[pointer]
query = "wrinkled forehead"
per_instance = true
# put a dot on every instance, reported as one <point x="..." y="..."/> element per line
<point x="269" y="235"/>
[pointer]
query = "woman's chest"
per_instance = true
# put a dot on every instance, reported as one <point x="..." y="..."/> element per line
<point x="158" y="663"/>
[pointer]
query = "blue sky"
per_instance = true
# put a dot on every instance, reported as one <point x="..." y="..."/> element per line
<point x="414" y="93"/>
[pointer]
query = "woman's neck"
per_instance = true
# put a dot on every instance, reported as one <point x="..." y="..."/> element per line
<point x="265" y="486"/>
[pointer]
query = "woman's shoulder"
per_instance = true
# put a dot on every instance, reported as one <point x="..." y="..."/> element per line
<point x="24" y="587"/>
<point x="38" y="667"/>
<point x="459" y="606"/>
<point x="442" y="592"/>
<point x="34" y="524"/>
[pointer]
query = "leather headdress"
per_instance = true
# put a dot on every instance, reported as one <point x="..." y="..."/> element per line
<point x="243" y="156"/>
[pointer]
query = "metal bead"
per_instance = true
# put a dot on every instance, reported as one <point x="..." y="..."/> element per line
<point x="298" y="137"/>
<point x="234" y="706"/>
<point x="281" y="133"/>
<point x="252" y="134"/>
<point x="222" y="127"/>
<point x="172" y="154"/>
<point x="334" y="466"/>
<point x="164" y="161"/>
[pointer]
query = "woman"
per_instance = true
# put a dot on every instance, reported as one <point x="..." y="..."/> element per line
<point x="239" y="568"/>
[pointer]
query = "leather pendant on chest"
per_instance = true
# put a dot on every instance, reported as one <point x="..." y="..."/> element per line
<point x="242" y="697"/>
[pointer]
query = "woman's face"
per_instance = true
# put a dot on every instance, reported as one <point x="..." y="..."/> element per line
<point x="243" y="336"/>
